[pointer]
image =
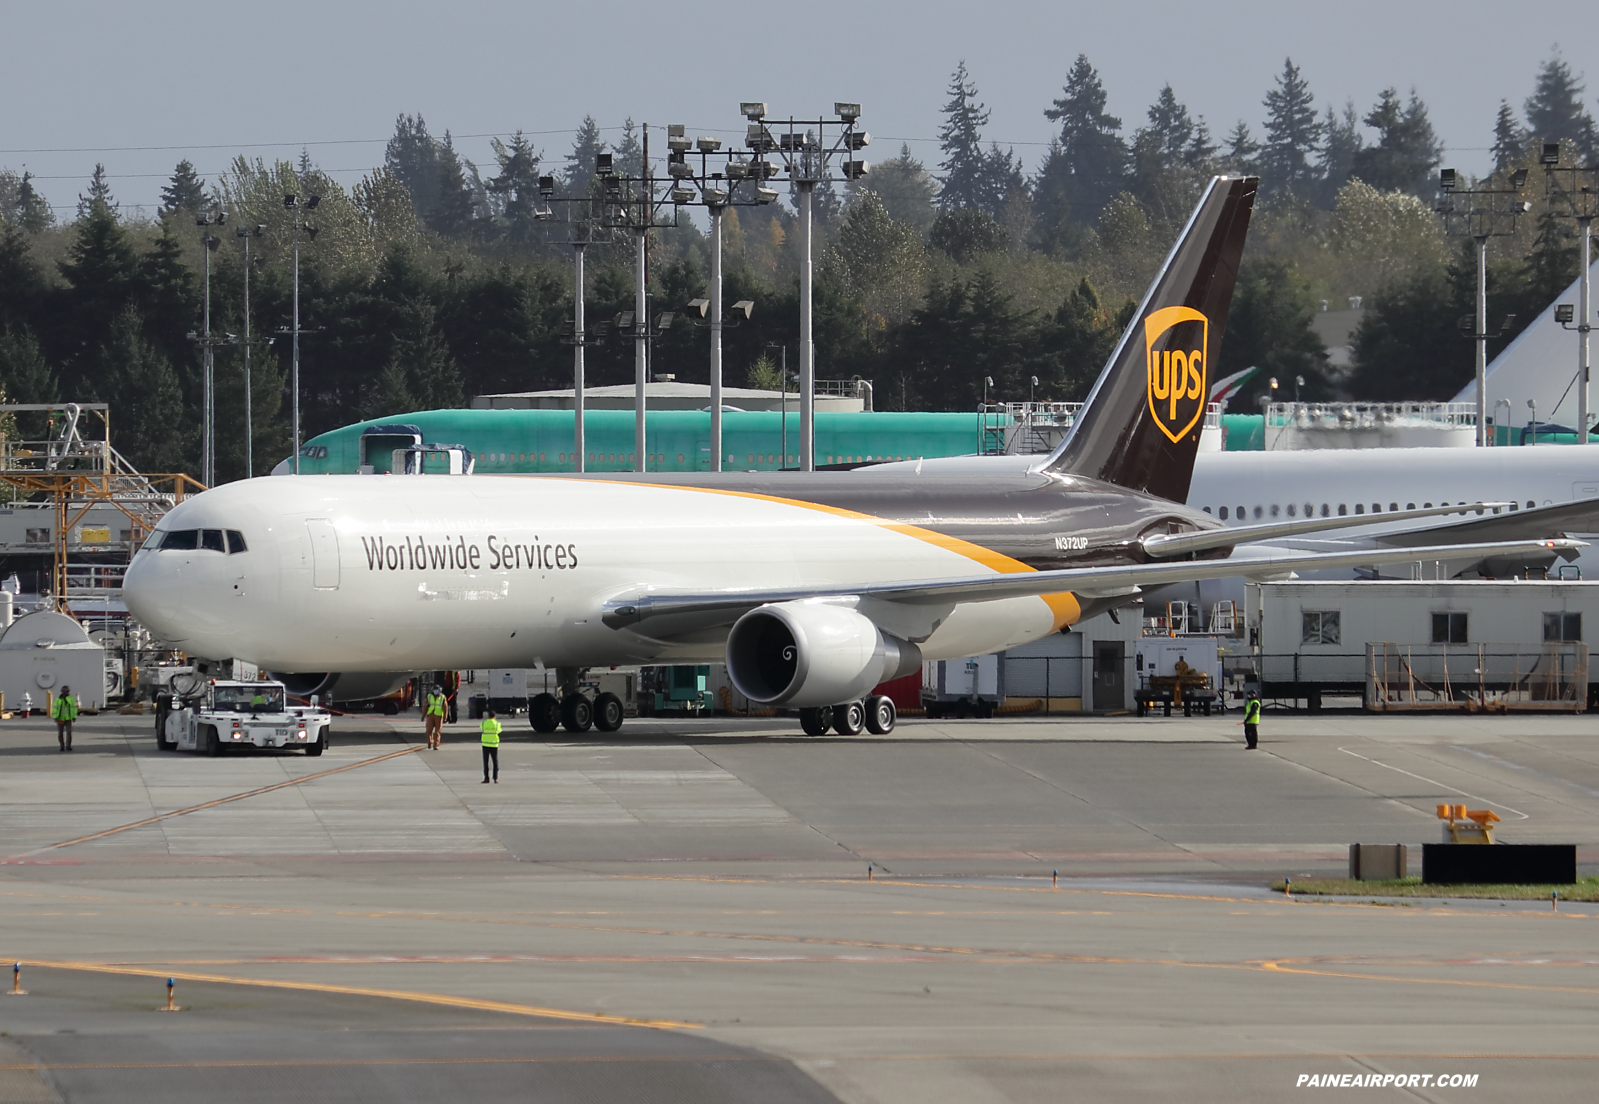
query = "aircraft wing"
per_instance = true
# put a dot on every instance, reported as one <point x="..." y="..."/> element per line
<point x="1579" y="516"/>
<point x="632" y="608"/>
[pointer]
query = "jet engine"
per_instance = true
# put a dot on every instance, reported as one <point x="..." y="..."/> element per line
<point x="350" y="686"/>
<point x="808" y="654"/>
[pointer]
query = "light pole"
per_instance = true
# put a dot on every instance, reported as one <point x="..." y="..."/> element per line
<point x="806" y="153"/>
<point x="1484" y="220"/>
<point x="244" y="233"/>
<point x="782" y="386"/>
<point x="1533" y="403"/>
<point x="208" y="403"/>
<point x="1581" y="194"/>
<point x="716" y="192"/>
<point x="293" y="203"/>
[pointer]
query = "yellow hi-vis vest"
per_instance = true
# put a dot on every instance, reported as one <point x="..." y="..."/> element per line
<point x="435" y="705"/>
<point x="1252" y="712"/>
<point x="66" y="708"/>
<point x="491" y="732"/>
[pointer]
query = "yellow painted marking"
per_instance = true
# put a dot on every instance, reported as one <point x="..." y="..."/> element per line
<point x="441" y="999"/>
<point x="1064" y="606"/>
<point x="1280" y="966"/>
<point x="210" y="804"/>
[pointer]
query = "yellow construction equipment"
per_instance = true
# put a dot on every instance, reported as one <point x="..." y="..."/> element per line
<point x="1463" y="825"/>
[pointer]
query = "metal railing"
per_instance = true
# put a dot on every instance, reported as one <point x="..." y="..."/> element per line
<point x="1488" y="677"/>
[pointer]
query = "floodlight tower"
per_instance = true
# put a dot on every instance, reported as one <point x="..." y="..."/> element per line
<point x="292" y="202"/>
<point x="245" y="233"/>
<point x="806" y="155"/>
<point x="716" y="191"/>
<point x="1578" y="189"/>
<point x="208" y="398"/>
<point x="1485" y="216"/>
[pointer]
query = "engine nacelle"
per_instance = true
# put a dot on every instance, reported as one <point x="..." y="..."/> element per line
<point x="807" y="654"/>
<point x="349" y="686"/>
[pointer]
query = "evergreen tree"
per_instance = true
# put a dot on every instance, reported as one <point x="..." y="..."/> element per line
<point x="25" y="377"/>
<point x="99" y="196"/>
<point x="412" y="157"/>
<point x="629" y="158"/>
<point x="184" y="192"/>
<point x="1510" y="140"/>
<point x="1170" y="155"/>
<point x="1077" y="342"/>
<point x="1089" y="163"/>
<point x="966" y="234"/>
<point x="965" y="166"/>
<point x="21" y="280"/>
<point x="1553" y="262"/>
<point x="168" y="294"/>
<point x="455" y="211"/>
<point x="905" y="188"/>
<point x="102" y="271"/>
<point x="143" y="389"/>
<point x="516" y="188"/>
<point x="1293" y="134"/>
<point x="1407" y="149"/>
<point x="1343" y="144"/>
<point x="1269" y="327"/>
<point x="1555" y="111"/>
<point x="1241" y="153"/>
<point x="21" y="205"/>
<point x="586" y="146"/>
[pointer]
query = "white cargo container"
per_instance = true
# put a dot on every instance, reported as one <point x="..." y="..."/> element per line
<point x="1311" y="638"/>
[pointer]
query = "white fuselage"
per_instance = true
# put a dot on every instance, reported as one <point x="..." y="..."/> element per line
<point x="382" y="573"/>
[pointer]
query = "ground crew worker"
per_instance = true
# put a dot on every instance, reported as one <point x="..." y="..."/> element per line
<point x="1251" y="721"/>
<point x="433" y="716"/>
<point x="65" y="712"/>
<point x="491" y="745"/>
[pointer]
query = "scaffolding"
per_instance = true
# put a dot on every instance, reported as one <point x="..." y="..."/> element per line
<point x="74" y="474"/>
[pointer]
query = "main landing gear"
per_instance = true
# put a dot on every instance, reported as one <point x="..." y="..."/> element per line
<point x="574" y="710"/>
<point x="876" y="714"/>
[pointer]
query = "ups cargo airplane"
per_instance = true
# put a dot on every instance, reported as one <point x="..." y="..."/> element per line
<point x="813" y="588"/>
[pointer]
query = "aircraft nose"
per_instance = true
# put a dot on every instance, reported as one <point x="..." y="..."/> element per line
<point x="153" y="589"/>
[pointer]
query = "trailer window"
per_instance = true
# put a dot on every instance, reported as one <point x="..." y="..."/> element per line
<point x="1449" y="628"/>
<point x="1320" y="627"/>
<point x="1562" y="626"/>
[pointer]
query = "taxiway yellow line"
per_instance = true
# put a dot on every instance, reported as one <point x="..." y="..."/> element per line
<point x="441" y="999"/>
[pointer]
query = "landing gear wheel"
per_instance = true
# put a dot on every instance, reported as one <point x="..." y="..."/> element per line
<point x="209" y="741"/>
<point x="816" y="721"/>
<point x="608" y="713"/>
<point x="849" y="719"/>
<point x="880" y="715"/>
<point x="577" y="713"/>
<point x="544" y="713"/>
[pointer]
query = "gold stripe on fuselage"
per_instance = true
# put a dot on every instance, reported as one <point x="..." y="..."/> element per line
<point x="1064" y="606"/>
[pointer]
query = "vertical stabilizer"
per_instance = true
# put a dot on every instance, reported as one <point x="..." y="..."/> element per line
<point x="1140" y="427"/>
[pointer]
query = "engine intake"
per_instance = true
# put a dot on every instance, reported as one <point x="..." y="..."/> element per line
<point x="807" y="654"/>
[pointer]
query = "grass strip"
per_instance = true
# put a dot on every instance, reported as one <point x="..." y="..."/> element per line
<point x="1585" y="889"/>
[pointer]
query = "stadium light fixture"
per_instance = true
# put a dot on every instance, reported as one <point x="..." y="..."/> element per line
<point x="754" y="112"/>
<point x="849" y="112"/>
<point x="1550" y="154"/>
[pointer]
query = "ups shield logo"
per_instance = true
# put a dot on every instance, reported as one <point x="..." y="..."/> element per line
<point x="1176" y="345"/>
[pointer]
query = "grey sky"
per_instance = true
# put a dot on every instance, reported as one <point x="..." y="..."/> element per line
<point x="95" y="74"/>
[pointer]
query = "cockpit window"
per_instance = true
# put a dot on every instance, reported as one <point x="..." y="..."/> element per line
<point x="211" y="540"/>
<point x="182" y="540"/>
<point x="236" y="542"/>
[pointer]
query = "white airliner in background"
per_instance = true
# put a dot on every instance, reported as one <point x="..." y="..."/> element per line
<point x="812" y="587"/>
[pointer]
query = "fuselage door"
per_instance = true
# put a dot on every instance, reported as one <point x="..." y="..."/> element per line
<point x="324" y="554"/>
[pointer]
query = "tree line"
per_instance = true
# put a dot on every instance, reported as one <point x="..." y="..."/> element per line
<point x="433" y="278"/>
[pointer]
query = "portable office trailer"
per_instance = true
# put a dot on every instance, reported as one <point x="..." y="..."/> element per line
<point x="1516" y="643"/>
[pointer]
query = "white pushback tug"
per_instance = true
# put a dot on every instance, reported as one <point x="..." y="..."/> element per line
<point x="215" y="714"/>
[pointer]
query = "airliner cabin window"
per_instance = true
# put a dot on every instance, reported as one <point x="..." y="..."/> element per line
<point x="1325" y="509"/>
<point x="1275" y="509"/>
<point x="1393" y="506"/>
<point x="1449" y="628"/>
<point x="1562" y="626"/>
<point x="1531" y="505"/>
<point x="1224" y="513"/>
<point x="1240" y="513"/>
<point x="1343" y="510"/>
<point x="1410" y="505"/>
<point x="1293" y="510"/>
<point x="1207" y="508"/>
<point x="1310" y="510"/>
<point x="1360" y="507"/>
<point x="1320" y="627"/>
<point x="1258" y="511"/>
